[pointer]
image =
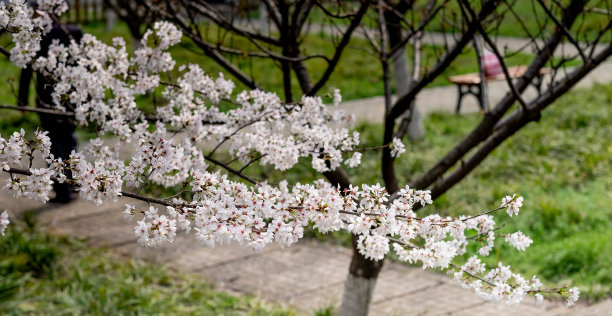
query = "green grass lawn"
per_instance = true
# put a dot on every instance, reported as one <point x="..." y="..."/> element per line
<point x="562" y="165"/>
<point x="530" y="13"/>
<point x="44" y="274"/>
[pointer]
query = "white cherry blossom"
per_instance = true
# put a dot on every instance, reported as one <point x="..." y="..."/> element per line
<point x="519" y="241"/>
<point x="397" y="147"/>
<point x="512" y="204"/>
<point x="4" y="222"/>
<point x="573" y="295"/>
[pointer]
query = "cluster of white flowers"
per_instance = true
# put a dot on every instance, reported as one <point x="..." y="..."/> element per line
<point x="16" y="149"/>
<point x="4" y="222"/>
<point x="56" y="7"/>
<point x="16" y="17"/>
<point x="354" y="161"/>
<point x="97" y="183"/>
<point x="519" y="241"/>
<point x="499" y="284"/>
<point x="12" y="150"/>
<point x="41" y="142"/>
<point x="572" y="297"/>
<point x="155" y="229"/>
<point x="26" y="27"/>
<point x="283" y="133"/>
<point x="101" y="82"/>
<point x="512" y="204"/>
<point x="337" y="97"/>
<point x="397" y="147"/>
<point x="35" y="186"/>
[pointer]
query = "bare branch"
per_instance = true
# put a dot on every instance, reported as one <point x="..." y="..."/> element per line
<point x="499" y="56"/>
<point x="208" y="11"/>
<point x="37" y="110"/>
<point x="485" y="128"/>
<point x="564" y="29"/>
<point x="404" y="102"/>
<point x="340" y="48"/>
<point x="230" y="169"/>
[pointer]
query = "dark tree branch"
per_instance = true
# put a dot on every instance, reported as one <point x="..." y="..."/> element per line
<point x="210" y="51"/>
<point x="430" y="14"/>
<point x="269" y="54"/>
<point x="516" y="121"/>
<point x="231" y="170"/>
<point x="273" y="12"/>
<point x="340" y="48"/>
<point x="208" y="11"/>
<point x="206" y="47"/>
<point x="564" y="29"/>
<point x="327" y="12"/>
<point x="404" y="102"/>
<point x="485" y="128"/>
<point x="500" y="58"/>
<point x="37" y="110"/>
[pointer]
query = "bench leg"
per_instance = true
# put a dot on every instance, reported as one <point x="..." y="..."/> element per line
<point x="461" y="93"/>
<point x="479" y="93"/>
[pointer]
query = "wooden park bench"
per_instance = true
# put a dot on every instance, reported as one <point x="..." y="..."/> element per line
<point x="470" y="83"/>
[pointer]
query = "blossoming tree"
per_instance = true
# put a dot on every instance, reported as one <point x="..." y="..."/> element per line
<point x="97" y="84"/>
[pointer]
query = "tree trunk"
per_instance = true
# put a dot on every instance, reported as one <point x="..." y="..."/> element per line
<point x="264" y="27"/>
<point x="359" y="284"/>
<point x="110" y="19"/>
<point x="403" y="80"/>
<point x="401" y="70"/>
<point x="357" y="295"/>
<point x="361" y="279"/>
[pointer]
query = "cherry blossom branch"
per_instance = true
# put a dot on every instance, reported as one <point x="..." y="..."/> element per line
<point x="37" y="110"/>
<point x="486" y="233"/>
<point x="71" y="114"/>
<point x="230" y="169"/>
<point x="134" y="196"/>
<point x="458" y="268"/>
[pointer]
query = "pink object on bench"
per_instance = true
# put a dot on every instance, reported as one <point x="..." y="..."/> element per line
<point x="492" y="66"/>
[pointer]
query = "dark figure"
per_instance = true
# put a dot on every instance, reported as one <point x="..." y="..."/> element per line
<point x="61" y="129"/>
